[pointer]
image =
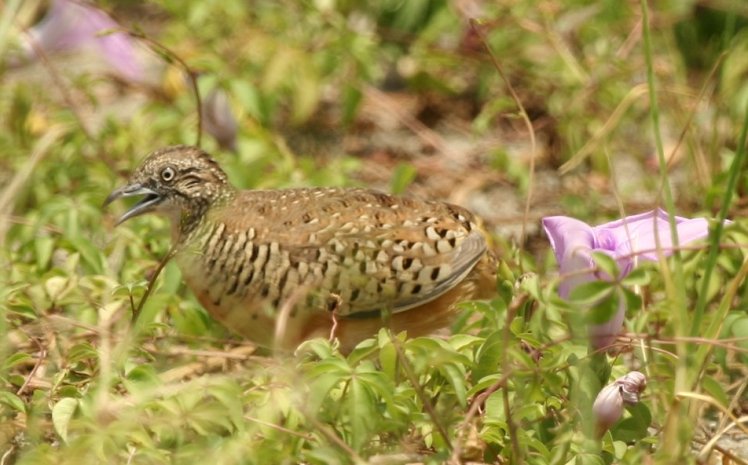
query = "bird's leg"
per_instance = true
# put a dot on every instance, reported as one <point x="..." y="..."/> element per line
<point x="333" y="304"/>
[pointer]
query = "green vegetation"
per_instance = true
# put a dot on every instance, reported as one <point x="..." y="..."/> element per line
<point x="402" y="96"/>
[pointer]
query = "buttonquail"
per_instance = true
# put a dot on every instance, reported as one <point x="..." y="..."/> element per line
<point x="346" y="261"/>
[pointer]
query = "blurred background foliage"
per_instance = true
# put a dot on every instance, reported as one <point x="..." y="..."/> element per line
<point x="396" y="95"/>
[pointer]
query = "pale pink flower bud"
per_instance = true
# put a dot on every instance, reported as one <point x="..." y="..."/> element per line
<point x="632" y="385"/>
<point x="608" y="407"/>
<point x="218" y="119"/>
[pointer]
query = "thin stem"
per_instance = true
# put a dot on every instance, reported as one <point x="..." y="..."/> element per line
<point x="169" y="55"/>
<point x="62" y="87"/>
<point x="674" y="428"/>
<point x="419" y="391"/>
<point x="474" y="25"/>
<point x="714" y="238"/>
<point x="151" y="284"/>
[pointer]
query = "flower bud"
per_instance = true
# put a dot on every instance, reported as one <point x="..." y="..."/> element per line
<point x="608" y="407"/>
<point x="219" y="120"/>
<point x="632" y="385"/>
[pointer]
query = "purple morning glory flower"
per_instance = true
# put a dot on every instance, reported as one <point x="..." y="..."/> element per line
<point x="70" y="25"/>
<point x="626" y="240"/>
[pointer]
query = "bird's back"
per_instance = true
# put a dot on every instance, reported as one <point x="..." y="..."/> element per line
<point x="351" y="252"/>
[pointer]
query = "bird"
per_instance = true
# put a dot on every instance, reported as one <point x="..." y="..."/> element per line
<point x="282" y="266"/>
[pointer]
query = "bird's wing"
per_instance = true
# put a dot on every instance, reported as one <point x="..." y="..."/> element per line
<point x="364" y="251"/>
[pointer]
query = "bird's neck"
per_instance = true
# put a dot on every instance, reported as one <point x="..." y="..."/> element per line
<point x="191" y="217"/>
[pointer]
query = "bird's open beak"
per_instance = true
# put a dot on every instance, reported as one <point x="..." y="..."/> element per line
<point x="145" y="205"/>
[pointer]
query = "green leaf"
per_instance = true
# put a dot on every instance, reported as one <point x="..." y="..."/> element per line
<point x="530" y="283"/>
<point x="14" y="360"/>
<point x="62" y="413"/>
<point x="388" y="360"/>
<point x="456" y="378"/>
<point x="360" y="405"/>
<point x="606" y="264"/>
<point x="43" y="246"/>
<point x="588" y="294"/>
<point x="716" y="390"/>
<point x="739" y="329"/>
<point x="326" y="455"/>
<point x="351" y="99"/>
<point x="637" y="277"/>
<point x="484" y="383"/>
<point x="12" y="401"/>
<point x="603" y="310"/>
<point x="92" y="256"/>
<point x="635" y="427"/>
<point x="320" y="389"/>
<point x="489" y="354"/>
<point x="56" y="287"/>
<point x="402" y="177"/>
<point x="631" y="299"/>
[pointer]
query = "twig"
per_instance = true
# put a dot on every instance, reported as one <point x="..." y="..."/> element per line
<point x="729" y="455"/>
<point x="689" y="120"/>
<point x="9" y="193"/>
<point x="514" y="305"/>
<point x="284" y="313"/>
<point x="735" y="402"/>
<point x="739" y="422"/>
<point x="330" y="435"/>
<point x="61" y="87"/>
<point x="713" y="402"/>
<point x="511" y="310"/>
<point x="419" y="390"/>
<point x="736" y="169"/>
<point x="15" y="219"/>
<point x="526" y="118"/>
<point x="170" y="56"/>
<point x="478" y="402"/>
<point x="240" y="353"/>
<point x="8" y="454"/>
<point x="151" y="282"/>
<point x="37" y="364"/>
<point x="307" y="436"/>
<point x="215" y="360"/>
<point x="593" y="142"/>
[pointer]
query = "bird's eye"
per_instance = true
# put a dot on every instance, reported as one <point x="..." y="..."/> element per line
<point x="168" y="173"/>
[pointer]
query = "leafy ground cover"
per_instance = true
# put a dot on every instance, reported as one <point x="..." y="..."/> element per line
<point x="517" y="110"/>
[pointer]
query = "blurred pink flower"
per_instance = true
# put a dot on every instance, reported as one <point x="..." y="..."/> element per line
<point x="71" y="25"/>
<point x="626" y="240"/>
<point x="219" y="120"/>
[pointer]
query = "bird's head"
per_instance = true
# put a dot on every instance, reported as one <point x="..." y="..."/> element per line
<point x="180" y="182"/>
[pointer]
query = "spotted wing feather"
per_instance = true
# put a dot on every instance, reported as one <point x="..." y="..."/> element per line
<point x="359" y="250"/>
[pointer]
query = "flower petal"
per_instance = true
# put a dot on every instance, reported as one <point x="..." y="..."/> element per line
<point x="688" y="231"/>
<point x="608" y="407"/>
<point x="71" y="25"/>
<point x="572" y="242"/>
<point x="636" y="234"/>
